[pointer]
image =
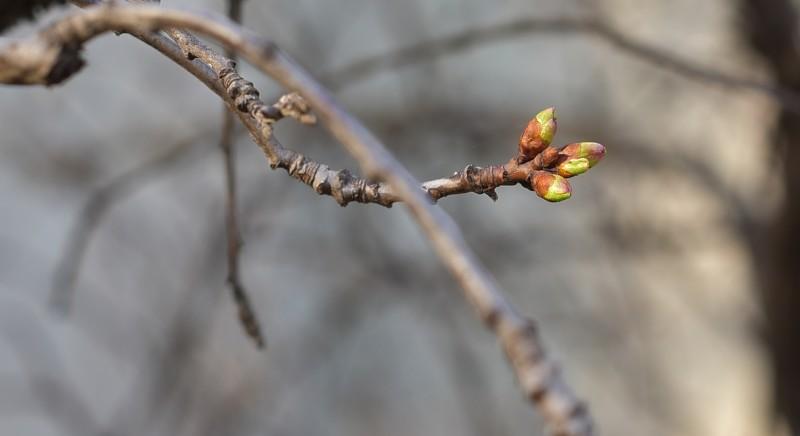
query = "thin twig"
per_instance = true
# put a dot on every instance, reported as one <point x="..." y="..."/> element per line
<point x="44" y="61"/>
<point x="339" y="184"/>
<point x="247" y="314"/>
<point x="432" y="49"/>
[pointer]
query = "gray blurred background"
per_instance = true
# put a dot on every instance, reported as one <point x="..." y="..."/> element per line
<point x="664" y="287"/>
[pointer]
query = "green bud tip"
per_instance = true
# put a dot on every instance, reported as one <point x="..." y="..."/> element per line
<point x="573" y="167"/>
<point x="551" y="187"/>
<point x="592" y="151"/>
<point x="538" y="134"/>
<point x="547" y="124"/>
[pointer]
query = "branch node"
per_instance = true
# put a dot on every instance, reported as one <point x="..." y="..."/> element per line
<point x="340" y="186"/>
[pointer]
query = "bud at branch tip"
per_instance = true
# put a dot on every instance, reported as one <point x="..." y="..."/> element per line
<point x="551" y="187"/>
<point x="538" y="134"/>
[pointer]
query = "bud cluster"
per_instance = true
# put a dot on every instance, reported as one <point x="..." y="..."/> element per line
<point x="550" y="166"/>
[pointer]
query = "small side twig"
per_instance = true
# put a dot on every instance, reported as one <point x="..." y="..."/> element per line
<point x="247" y="314"/>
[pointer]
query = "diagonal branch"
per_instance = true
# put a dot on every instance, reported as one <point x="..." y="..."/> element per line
<point x="35" y="61"/>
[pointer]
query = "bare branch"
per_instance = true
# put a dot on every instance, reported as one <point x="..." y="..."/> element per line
<point x="32" y="61"/>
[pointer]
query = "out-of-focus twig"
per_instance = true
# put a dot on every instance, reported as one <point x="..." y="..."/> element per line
<point x="34" y="61"/>
<point x="432" y="49"/>
<point x="92" y="213"/>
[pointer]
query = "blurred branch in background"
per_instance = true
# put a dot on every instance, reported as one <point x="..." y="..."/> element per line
<point x="170" y="376"/>
<point x="435" y="48"/>
<point x="95" y="209"/>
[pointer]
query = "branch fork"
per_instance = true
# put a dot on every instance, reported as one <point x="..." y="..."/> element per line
<point x="538" y="166"/>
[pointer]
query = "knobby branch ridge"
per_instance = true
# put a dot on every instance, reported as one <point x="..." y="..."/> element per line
<point x="53" y="55"/>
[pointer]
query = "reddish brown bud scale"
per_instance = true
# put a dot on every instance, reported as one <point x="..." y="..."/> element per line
<point x="551" y="187"/>
<point x="537" y="134"/>
<point x="592" y="151"/>
<point x="577" y="158"/>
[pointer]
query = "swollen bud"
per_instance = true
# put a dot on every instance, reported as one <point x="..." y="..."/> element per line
<point x="573" y="167"/>
<point x="551" y="187"/>
<point x="591" y="151"/>
<point x="538" y="134"/>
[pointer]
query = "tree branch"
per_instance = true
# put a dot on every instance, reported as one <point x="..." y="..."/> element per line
<point x="33" y="61"/>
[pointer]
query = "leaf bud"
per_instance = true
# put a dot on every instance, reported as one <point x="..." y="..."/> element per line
<point x="591" y="151"/>
<point x="538" y="134"/>
<point x="573" y="167"/>
<point x="551" y="187"/>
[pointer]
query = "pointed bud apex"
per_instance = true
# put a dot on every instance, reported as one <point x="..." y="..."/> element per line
<point x="592" y="151"/>
<point x="573" y="167"/>
<point x="551" y="187"/>
<point x="538" y="134"/>
<point x="547" y="120"/>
